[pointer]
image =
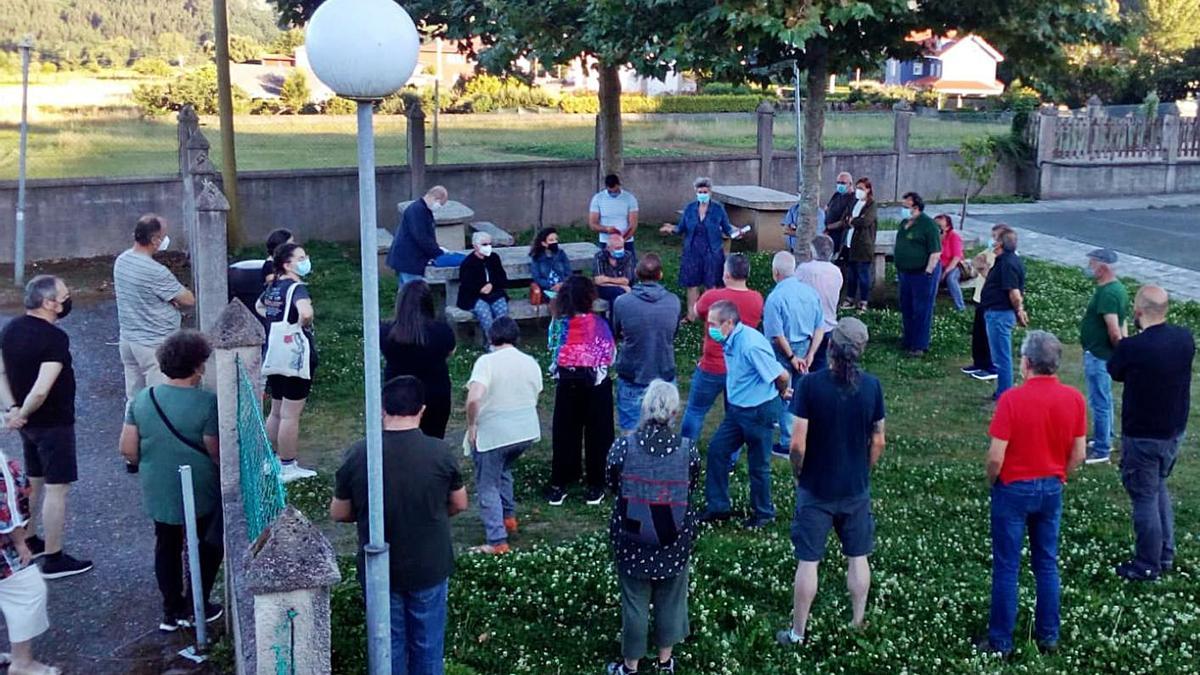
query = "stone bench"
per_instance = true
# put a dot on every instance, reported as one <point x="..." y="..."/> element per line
<point x="500" y="237"/>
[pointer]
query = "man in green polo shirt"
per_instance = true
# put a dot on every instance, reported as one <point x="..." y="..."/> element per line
<point x="918" y="248"/>
<point x="1102" y="327"/>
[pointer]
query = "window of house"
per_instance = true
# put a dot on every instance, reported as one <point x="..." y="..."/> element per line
<point x="918" y="68"/>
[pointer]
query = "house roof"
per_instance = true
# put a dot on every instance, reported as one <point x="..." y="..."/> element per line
<point x="936" y="46"/>
<point x="958" y="86"/>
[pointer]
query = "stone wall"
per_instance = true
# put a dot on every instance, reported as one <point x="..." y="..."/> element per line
<point x="94" y="216"/>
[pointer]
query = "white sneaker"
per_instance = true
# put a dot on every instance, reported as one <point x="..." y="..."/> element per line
<point x="294" y="472"/>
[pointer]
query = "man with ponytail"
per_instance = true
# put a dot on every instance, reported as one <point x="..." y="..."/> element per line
<point x="837" y="437"/>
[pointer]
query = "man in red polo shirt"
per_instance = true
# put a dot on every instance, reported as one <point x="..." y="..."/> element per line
<point x="1039" y="435"/>
<point x="708" y="381"/>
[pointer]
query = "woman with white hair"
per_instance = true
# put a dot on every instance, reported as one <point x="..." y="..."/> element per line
<point x="482" y="281"/>
<point x="652" y="529"/>
<point x="702" y="224"/>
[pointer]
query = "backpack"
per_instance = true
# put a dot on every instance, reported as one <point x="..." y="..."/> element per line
<point x="653" y="500"/>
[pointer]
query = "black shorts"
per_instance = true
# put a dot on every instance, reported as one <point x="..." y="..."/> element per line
<point x="288" y="388"/>
<point x="50" y="454"/>
<point x="850" y="518"/>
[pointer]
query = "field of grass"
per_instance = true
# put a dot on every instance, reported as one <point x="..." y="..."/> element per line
<point x="124" y="145"/>
<point x="552" y="606"/>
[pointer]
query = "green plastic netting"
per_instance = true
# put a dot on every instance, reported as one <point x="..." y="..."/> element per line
<point x="263" y="494"/>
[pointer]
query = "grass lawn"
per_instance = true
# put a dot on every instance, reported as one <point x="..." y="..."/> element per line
<point x="552" y="606"/>
<point x="116" y="145"/>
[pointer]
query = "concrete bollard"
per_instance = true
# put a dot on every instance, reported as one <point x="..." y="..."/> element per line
<point x="291" y="570"/>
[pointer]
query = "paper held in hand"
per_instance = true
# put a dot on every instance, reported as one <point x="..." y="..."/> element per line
<point x="739" y="232"/>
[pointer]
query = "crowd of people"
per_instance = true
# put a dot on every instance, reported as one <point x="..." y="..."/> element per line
<point x="788" y="368"/>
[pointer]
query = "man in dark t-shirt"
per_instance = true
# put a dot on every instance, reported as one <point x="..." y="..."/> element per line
<point x="423" y="490"/>
<point x="837" y="437"/>
<point x="37" y="388"/>
<point x="1003" y="304"/>
<point x="1156" y="367"/>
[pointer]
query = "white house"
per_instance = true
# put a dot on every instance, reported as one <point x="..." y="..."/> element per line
<point x="949" y="65"/>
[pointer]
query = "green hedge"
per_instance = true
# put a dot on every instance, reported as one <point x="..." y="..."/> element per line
<point x="636" y="103"/>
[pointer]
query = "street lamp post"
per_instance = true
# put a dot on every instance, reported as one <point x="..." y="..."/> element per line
<point x="25" y="45"/>
<point x="365" y="50"/>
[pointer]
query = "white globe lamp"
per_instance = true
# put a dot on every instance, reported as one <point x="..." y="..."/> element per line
<point x="366" y="50"/>
<point x="362" y="49"/>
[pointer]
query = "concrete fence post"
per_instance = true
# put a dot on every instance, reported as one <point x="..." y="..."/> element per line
<point x="766" y="141"/>
<point x="236" y="336"/>
<point x="1047" y="133"/>
<point x="291" y="570"/>
<point x="902" y="116"/>
<point x="1170" y="139"/>
<point x="416" y="150"/>
<point x="209" y="251"/>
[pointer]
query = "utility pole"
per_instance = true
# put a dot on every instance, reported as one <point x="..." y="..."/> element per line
<point x="799" y="130"/>
<point x="25" y="45"/>
<point x="225" y="110"/>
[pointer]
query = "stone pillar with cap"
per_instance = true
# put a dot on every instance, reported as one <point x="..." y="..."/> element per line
<point x="766" y="141"/>
<point x="291" y="569"/>
<point x="236" y="337"/>
<point x="209" y="254"/>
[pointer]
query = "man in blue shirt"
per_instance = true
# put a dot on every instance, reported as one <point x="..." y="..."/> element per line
<point x="415" y="243"/>
<point x="614" y="211"/>
<point x="755" y="383"/>
<point x="838" y="437"/>
<point x="794" y="323"/>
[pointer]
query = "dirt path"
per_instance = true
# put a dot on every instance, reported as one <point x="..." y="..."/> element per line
<point x="104" y="621"/>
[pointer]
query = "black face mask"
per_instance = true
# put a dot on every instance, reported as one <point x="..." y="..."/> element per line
<point x="552" y="248"/>
<point x="66" y="309"/>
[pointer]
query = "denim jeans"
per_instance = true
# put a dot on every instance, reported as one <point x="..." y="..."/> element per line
<point x="1100" y="401"/>
<point x="934" y="282"/>
<point x="1000" y="325"/>
<point x="1146" y="463"/>
<point x="916" y="310"/>
<point x="751" y="426"/>
<point x="405" y="277"/>
<point x="785" y="415"/>
<point x="487" y="312"/>
<point x="494" y="483"/>
<point x="419" y="630"/>
<point x="1035" y="505"/>
<point x="953" y="288"/>
<point x="858" y="281"/>
<point x="702" y="394"/>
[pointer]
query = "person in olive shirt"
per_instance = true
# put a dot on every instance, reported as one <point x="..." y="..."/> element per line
<point x="918" y="249"/>
<point x="424" y="489"/>
<point x="1102" y="327"/>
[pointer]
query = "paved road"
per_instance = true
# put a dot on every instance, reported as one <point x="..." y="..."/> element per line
<point x="104" y="621"/>
<point x="1169" y="235"/>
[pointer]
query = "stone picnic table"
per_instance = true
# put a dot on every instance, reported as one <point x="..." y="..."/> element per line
<point x="759" y="207"/>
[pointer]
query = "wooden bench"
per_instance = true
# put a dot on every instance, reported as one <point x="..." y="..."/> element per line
<point x="520" y="273"/>
<point x="885" y="247"/>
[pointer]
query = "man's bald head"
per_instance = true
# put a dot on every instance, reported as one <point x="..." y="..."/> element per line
<point x="1151" y="303"/>
<point x="438" y="192"/>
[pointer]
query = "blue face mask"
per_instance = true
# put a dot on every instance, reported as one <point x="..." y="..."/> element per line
<point x="614" y="195"/>
<point x="841" y="188"/>
<point x="618" y="254"/>
<point x="304" y="267"/>
<point x="905" y="213"/>
<point x="703" y="197"/>
<point x="715" y="334"/>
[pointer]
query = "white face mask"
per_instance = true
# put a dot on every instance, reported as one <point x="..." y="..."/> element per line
<point x="435" y="206"/>
<point x="165" y="243"/>
<point x="485" y="249"/>
<point x="860" y="194"/>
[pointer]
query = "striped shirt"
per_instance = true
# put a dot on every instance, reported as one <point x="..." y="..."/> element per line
<point x="145" y="289"/>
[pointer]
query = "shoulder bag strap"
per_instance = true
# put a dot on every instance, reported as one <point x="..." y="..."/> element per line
<point x="171" y="427"/>
<point x="287" y="303"/>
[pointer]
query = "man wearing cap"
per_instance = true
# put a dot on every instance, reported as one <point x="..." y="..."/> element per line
<point x="837" y="437"/>
<point x="1102" y="327"/>
<point x="1156" y="367"/>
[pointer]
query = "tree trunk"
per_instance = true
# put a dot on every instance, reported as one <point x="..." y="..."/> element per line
<point x="817" y="61"/>
<point x="962" y="217"/>
<point x="609" y="121"/>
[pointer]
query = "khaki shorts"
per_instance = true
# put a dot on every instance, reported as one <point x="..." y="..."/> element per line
<point x="23" y="602"/>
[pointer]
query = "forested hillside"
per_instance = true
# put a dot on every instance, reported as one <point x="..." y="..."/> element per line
<point x="110" y="33"/>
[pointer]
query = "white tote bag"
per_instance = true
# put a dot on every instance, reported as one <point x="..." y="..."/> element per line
<point x="288" y="350"/>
